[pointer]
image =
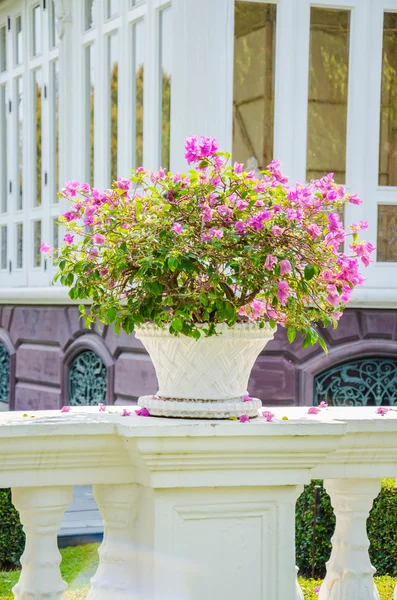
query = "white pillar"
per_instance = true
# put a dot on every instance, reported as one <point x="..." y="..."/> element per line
<point x="349" y="570"/>
<point x="207" y="543"/>
<point x="116" y="577"/>
<point x="41" y="510"/>
<point x="202" y="74"/>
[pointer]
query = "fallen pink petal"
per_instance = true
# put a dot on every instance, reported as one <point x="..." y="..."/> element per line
<point x="382" y="410"/>
<point x="102" y="407"/>
<point x="247" y="398"/>
<point x="323" y="404"/>
<point x="65" y="409"/>
<point x="268" y="416"/>
<point x="244" y="419"/>
<point x="142" y="412"/>
<point x="313" y="410"/>
<point x="126" y="413"/>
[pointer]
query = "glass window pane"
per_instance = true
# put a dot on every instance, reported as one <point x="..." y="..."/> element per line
<point x="37" y="132"/>
<point x="54" y="39"/>
<point x="253" y="90"/>
<point x="20" y="143"/>
<point x="55" y="232"/>
<point x="114" y="94"/>
<point x="36" y="243"/>
<point x="18" y="41"/>
<point x="136" y="2"/>
<point x="386" y="248"/>
<point x="3" y="241"/>
<point x="3" y="150"/>
<point x="165" y="84"/>
<point x="138" y="56"/>
<point x="112" y="8"/>
<point x="88" y="14"/>
<point x="3" y="48"/>
<point x="19" y="228"/>
<point x="328" y="83"/>
<point x="388" y="110"/>
<point x="55" y="83"/>
<point x="36" y="30"/>
<point x="90" y="114"/>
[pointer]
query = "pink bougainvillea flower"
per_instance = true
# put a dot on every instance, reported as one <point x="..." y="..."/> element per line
<point x="102" y="407"/>
<point x="247" y="398"/>
<point x="98" y="238"/>
<point x="126" y="413"/>
<point x="65" y="409"/>
<point x="238" y="168"/>
<point x="283" y="292"/>
<point x="285" y="267"/>
<point x="44" y="247"/>
<point x="241" y="227"/>
<point x="93" y="252"/>
<point x="268" y="416"/>
<point x="244" y="419"/>
<point x="313" y="230"/>
<point x="323" y="404"/>
<point x="277" y="231"/>
<point x="354" y="199"/>
<point x="68" y="238"/>
<point x="177" y="228"/>
<point x="270" y="262"/>
<point x="123" y="184"/>
<point x="142" y="412"/>
<point x="217" y="233"/>
<point x="241" y="204"/>
<point x="313" y="410"/>
<point x="382" y="410"/>
<point x="317" y="590"/>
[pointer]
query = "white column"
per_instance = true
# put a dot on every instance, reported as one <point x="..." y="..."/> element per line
<point x="202" y="74"/>
<point x="41" y="510"/>
<point x="349" y="570"/>
<point x="116" y="577"/>
<point x="206" y="543"/>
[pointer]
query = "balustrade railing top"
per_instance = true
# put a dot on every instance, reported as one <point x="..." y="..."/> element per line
<point x="196" y="510"/>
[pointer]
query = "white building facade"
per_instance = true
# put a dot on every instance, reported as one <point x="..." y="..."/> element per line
<point x="92" y="88"/>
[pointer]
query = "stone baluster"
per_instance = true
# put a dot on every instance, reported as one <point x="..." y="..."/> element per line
<point x="116" y="578"/>
<point x="349" y="570"/>
<point x="41" y="510"/>
<point x="299" y="593"/>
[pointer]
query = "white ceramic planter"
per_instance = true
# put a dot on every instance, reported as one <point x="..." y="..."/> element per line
<point x="205" y="378"/>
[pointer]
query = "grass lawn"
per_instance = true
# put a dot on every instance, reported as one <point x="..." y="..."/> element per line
<point x="79" y="565"/>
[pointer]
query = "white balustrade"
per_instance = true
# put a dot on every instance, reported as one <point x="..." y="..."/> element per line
<point x="196" y="510"/>
<point x="41" y="511"/>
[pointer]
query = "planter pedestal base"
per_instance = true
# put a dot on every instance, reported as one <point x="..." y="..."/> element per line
<point x="200" y="409"/>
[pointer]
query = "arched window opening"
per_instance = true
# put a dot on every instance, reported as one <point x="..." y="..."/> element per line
<point x="4" y="374"/>
<point x="360" y="382"/>
<point x="87" y="379"/>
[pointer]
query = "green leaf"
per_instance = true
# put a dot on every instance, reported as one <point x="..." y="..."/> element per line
<point x="272" y="323"/>
<point x="173" y="263"/>
<point x="323" y="345"/>
<point x="308" y="340"/>
<point x="309" y="272"/>
<point x="196" y="334"/>
<point x="111" y="314"/>
<point x="204" y="300"/>
<point x="291" y="334"/>
<point x="177" y="324"/>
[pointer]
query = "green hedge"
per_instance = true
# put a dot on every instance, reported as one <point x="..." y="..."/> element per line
<point x="381" y="526"/>
<point x="12" y="538"/>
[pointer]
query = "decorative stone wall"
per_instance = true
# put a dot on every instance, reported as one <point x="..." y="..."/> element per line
<point x="42" y="342"/>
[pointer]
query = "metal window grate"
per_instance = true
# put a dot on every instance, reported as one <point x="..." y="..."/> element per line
<point x="87" y="379"/>
<point x="361" y="382"/>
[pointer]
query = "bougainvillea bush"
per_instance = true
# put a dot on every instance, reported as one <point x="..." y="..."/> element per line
<point x="216" y="244"/>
